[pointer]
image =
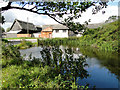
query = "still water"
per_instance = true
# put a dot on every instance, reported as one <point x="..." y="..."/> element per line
<point x="103" y="68"/>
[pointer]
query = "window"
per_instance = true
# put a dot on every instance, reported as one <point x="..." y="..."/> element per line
<point x="57" y="31"/>
<point x="64" y="30"/>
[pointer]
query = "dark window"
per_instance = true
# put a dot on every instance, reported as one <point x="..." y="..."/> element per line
<point x="64" y="30"/>
<point x="57" y="31"/>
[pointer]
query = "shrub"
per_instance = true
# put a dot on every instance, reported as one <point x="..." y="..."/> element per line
<point x="24" y="44"/>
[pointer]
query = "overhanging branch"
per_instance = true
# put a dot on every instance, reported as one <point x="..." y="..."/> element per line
<point x="30" y="10"/>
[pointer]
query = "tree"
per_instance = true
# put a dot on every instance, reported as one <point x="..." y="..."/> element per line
<point x="2" y="19"/>
<point x="57" y="10"/>
<point x="2" y="29"/>
<point x="111" y="19"/>
<point x="8" y="29"/>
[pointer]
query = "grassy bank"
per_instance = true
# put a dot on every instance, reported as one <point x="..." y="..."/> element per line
<point x="104" y="38"/>
<point x="108" y="59"/>
<point x="25" y="44"/>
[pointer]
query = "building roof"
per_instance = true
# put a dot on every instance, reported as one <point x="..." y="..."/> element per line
<point x="55" y="26"/>
<point x="14" y="31"/>
<point x="39" y="28"/>
<point x="48" y="29"/>
<point x="59" y="26"/>
<point x="25" y="25"/>
<point x="96" y="25"/>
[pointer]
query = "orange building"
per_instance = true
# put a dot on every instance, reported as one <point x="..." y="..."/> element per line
<point x="46" y="33"/>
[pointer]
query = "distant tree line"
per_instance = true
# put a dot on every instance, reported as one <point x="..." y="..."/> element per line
<point x="112" y="18"/>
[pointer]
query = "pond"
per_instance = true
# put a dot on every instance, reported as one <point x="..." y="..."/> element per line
<point x="102" y="70"/>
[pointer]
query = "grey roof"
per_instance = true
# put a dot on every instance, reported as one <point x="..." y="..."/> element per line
<point x="39" y="28"/>
<point x="24" y="25"/>
<point x="59" y="26"/>
<point x="55" y="26"/>
<point x="94" y="25"/>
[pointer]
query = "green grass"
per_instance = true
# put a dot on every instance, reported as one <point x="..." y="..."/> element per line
<point x="26" y="76"/>
<point x="105" y="38"/>
<point x="25" y="44"/>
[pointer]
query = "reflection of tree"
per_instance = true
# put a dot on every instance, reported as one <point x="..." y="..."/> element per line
<point x="65" y="65"/>
<point x="110" y="60"/>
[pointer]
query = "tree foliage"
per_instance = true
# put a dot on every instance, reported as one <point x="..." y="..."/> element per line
<point x="8" y="29"/>
<point x="2" y="29"/>
<point x="58" y="10"/>
<point x="112" y="18"/>
<point x="2" y="19"/>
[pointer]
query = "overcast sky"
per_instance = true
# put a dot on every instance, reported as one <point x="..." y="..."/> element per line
<point x="12" y="14"/>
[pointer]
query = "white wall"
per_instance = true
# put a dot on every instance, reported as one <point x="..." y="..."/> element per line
<point x="59" y="34"/>
<point x="79" y="35"/>
<point x="36" y="34"/>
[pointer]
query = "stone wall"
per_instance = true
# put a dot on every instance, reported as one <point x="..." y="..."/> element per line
<point x="11" y="35"/>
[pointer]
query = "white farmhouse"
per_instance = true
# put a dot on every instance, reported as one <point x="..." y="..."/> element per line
<point x="60" y="31"/>
<point x="56" y="31"/>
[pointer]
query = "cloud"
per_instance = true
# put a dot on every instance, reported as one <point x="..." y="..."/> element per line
<point x="99" y="17"/>
<point x="3" y="4"/>
<point x="11" y="15"/>
<point x="6" y="25"/>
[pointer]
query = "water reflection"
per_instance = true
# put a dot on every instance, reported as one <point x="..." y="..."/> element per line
<point x="15" y="42"/>
<point x="104" y="68"/>
<point x="101" y="72"/>
<point x="65" y="62"/>
<point x="110" y="60"/>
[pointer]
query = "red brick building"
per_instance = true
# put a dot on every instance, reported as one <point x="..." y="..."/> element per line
<point x="46" y="33"/>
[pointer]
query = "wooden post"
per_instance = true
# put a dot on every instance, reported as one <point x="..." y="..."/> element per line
<point x="27" y="26"/>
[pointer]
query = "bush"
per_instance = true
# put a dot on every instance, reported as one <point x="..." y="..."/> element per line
<point x="24" y="44"/>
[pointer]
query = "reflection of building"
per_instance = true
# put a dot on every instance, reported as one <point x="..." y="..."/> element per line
<point x="22" y="29"/>
<point x="75" y="51"/>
